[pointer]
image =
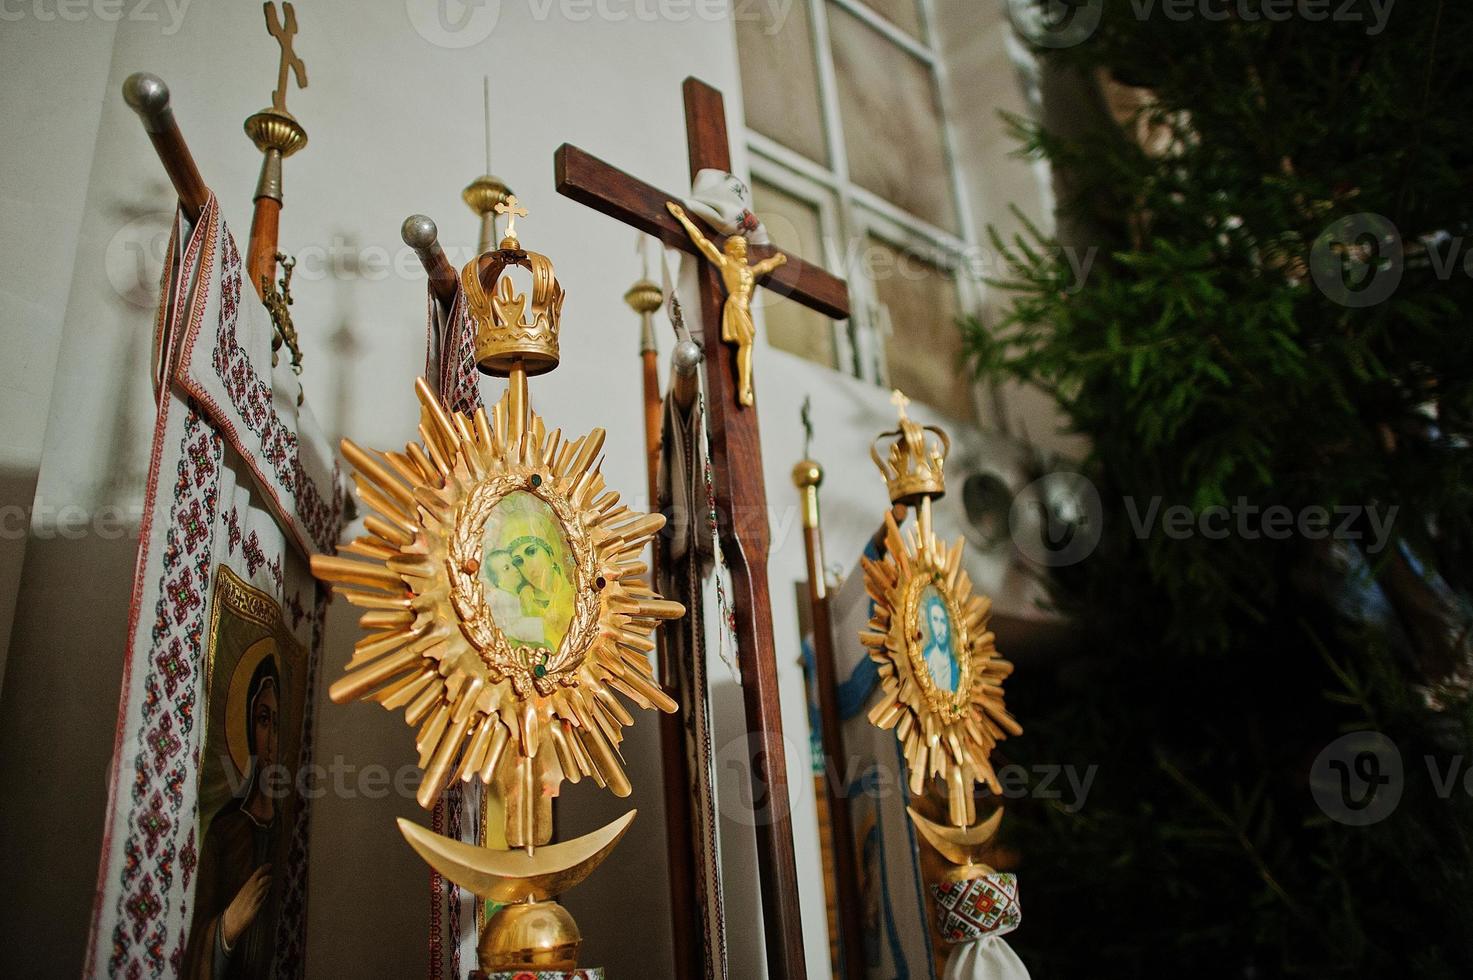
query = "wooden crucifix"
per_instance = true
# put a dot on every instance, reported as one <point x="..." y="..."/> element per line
<point x="740" y="491"/>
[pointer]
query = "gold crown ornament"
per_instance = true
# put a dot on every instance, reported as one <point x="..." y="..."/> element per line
<point x="513" y="329"/>
<point x="915" y="467"/>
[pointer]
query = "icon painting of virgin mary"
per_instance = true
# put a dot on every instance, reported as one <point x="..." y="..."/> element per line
<point x="527" y="572"/>
<point x="235" y="903"/>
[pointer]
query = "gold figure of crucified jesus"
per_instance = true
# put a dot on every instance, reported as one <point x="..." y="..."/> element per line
<point x="740" y="280"/>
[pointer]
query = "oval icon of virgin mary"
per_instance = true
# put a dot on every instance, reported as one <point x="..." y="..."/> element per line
<point x="527" y="571"/>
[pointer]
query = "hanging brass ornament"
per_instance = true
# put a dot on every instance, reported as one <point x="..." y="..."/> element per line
<point x="941" y="676"/>
<point x="507" y="606"/>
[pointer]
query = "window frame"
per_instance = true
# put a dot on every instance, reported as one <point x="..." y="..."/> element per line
<point x="850" y="213"/>
<point x="816" y="191"/>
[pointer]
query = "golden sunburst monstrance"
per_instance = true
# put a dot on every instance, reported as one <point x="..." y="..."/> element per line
<point x="948" y="726"/>
<point x="436" y="648"/>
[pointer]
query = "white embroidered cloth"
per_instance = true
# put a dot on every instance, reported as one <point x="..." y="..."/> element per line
<point x="242" y="488"/>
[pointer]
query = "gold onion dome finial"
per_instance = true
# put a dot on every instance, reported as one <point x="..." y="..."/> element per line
<point x="484" y="193"/>
<point x="482" y="196"/>
<point x="276" y="129"/>
<point x="513" y="329"/>
<point x="915" y="465"/>
<point x="644" y="297"/>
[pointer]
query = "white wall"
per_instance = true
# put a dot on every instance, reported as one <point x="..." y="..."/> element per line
<point x="50" y="113"/>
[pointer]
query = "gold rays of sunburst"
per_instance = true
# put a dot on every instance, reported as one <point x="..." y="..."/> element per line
<point x="945" y="734"/>
<point x="433" y="648"/>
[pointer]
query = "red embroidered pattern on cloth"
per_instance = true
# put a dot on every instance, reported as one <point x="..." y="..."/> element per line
<point x="160" y="765"/>
<point x="982" y="906"/>
<point x="169" y="717"/>
<point x="291" y="951"/>
<point x="251" y="395"/>
<point x="451" y="361"/>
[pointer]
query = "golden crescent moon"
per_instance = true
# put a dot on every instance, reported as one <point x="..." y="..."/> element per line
<point x="513" y="876"/>
<point x="959" y="845"/>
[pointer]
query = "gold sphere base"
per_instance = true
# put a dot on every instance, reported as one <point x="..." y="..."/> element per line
<point x="529" y="936"/>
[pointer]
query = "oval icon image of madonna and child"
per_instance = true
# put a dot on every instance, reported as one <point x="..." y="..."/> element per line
<point x="527" y="569"/>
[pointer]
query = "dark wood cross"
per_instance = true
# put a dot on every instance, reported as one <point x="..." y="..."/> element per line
<point x="740" y="490"/>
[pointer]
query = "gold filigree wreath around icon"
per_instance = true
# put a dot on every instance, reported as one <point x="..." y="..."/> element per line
<point x="945" y="734"/>
<point x="435" y="648"/>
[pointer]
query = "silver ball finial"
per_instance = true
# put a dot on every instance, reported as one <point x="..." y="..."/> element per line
<point x="146" y="94"/>
<point x="686" y="357"/>
<point x="419" y="232"/>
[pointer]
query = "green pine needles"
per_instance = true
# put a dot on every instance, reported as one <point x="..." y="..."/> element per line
<point x="1278" y="318"/>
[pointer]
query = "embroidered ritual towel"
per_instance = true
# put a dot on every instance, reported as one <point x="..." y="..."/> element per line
<point x="974" y="915"/>
<point x="206" y="808"/>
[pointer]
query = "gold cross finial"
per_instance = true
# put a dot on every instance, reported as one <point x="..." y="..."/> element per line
<point x="289" y="60"/>
<point x="514" y="210"/>
<point x="807" y="417"/>
<point x="898" y="399"/>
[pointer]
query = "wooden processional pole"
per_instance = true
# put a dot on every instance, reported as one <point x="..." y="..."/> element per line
<point x="278" y="135"/>
<point x="645" y="297"/>
<point x="807" y="477"/>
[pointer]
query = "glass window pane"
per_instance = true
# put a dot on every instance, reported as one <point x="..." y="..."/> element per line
<point x="904" y="14"/>
<point x="892" y="123"/>
<point x="794" y="225"/>
<point x="780" y="76"/>
<point x="923" y="347"/>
